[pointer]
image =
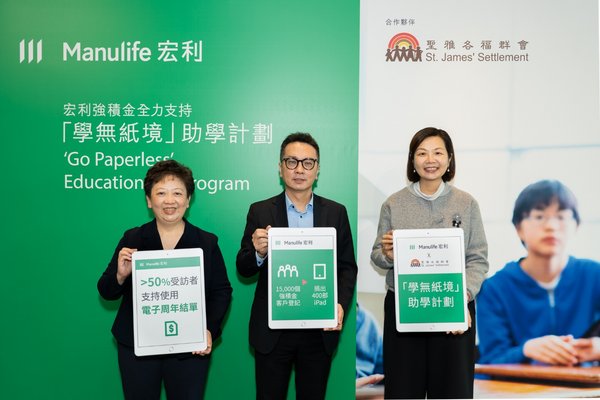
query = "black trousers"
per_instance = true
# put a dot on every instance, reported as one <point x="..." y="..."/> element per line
<point x="435" y="365"/>
<point x="142" y="377"/>
<point x="303" y="350"/>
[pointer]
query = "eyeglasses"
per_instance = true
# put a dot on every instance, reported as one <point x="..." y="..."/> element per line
<point x="307" y="163"/>
<point x="540" y="219"/>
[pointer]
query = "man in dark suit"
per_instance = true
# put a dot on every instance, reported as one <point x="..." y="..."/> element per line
<point x="308" y="350"/>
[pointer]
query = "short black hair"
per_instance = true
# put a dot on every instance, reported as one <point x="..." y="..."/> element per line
<point x="539" y="195"/>
<point x="168" y="168"/>
<point x="301" y="137"/>
<point x="416" y="141"/>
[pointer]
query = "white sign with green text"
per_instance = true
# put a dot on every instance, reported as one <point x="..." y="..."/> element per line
<point x="430" y="287"/>
<point x="168" y="301"/>
<point x="302" y="278"/>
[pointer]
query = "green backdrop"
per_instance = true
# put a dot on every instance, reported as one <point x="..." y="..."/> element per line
<point x="268" y="67"/>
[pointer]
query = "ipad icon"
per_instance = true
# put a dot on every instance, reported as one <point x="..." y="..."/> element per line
<point x="319" y="271"/>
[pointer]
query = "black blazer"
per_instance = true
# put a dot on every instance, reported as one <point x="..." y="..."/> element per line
<point x="273" y="212"/>
<point x="217" y="287"/>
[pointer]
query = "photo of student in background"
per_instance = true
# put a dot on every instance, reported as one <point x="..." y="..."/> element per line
<point x="369" y="349"/>
<point x="537" y="309"/>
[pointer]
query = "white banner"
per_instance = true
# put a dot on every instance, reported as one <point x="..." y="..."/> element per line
<point x="514" y="83"/>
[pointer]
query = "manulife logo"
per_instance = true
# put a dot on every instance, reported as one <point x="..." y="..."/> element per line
<point x="30" y="51"/>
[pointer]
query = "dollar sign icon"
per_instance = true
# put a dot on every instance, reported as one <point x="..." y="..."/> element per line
<point x="171" y="328"/>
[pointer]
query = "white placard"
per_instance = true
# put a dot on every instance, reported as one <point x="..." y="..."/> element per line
<point x="302" y="278"/>
<point x="169" y="310"/>
<point x="430" y="284"/>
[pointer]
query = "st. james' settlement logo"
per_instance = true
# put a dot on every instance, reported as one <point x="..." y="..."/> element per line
<point x="403" y="47"/>
<point x="415" y="262"/>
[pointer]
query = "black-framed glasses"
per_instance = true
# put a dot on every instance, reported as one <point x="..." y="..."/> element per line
<point x="307" y="163"/>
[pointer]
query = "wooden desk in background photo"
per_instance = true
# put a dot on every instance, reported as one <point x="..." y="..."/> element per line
<point x="518" y="381"/>
<point x="537" y="381"/>
<point x="500" y="389"/>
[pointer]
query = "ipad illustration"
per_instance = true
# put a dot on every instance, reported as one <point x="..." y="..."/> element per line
<point x="302" y="278"/>
<point x="169" y="310"/>
<point x="430" y="284"/>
